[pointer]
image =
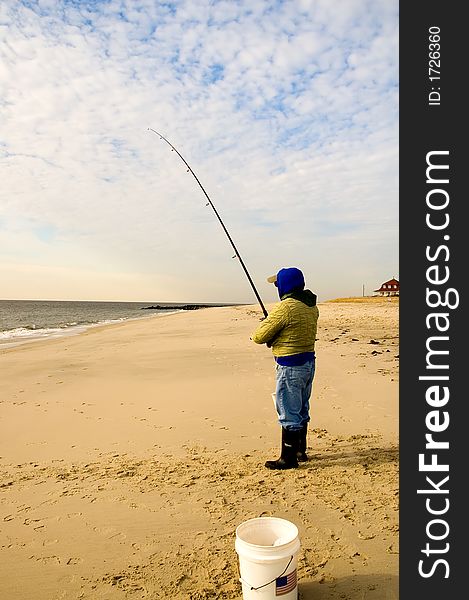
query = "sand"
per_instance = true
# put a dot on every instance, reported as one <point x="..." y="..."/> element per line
<point x="129" y="455"/>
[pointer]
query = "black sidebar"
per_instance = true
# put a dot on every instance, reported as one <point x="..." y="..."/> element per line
<point x="434" y="258"/>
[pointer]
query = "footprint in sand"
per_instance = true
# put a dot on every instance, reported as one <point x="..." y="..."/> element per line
<point x="47" y="560"/>
<point x="28" y="521"/>
<point x="110" y="533"/>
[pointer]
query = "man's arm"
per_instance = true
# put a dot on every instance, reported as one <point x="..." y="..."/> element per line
<point x="270" y="326"/>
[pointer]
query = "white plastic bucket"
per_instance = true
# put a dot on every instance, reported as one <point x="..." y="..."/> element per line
<point x="274" y="400"/>
<point x="268" y="549"/>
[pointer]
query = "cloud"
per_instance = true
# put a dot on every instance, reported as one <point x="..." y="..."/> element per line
<point x="286" y="111"/>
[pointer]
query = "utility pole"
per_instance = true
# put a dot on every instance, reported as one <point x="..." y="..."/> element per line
<point x="363" y="290"/>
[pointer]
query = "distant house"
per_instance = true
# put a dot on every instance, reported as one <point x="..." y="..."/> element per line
<point x="389" y="288"/>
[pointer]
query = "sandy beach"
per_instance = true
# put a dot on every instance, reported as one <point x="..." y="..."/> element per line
<point x="130" y="453"/>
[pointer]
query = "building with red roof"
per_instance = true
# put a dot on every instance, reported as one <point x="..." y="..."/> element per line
<point x="388" y="288"/>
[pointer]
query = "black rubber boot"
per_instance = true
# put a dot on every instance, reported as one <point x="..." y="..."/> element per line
<point x="302" y="444"/>
<point x="287" y="460"/>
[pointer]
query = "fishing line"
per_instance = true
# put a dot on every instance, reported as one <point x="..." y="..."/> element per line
<point x="237" y="254"/>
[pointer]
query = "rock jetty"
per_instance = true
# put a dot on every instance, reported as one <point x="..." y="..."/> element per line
<point x="177" y="307"/>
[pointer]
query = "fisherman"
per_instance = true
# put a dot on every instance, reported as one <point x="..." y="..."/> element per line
<point x="290" y="330"/>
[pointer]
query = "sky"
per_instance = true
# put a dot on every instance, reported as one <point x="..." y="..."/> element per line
<point x="287" y="112"/>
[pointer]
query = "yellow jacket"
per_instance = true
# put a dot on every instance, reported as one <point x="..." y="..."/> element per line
<point x="290" y="328"/>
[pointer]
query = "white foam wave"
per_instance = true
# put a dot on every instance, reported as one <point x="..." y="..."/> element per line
<point x="23" y="332"/>
<point x="21" y="335"/>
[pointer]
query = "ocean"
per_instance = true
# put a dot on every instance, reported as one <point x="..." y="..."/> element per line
<point x="29" y="320"/>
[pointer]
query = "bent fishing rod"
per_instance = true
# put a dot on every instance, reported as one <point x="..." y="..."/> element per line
<point x="237" y="254"/>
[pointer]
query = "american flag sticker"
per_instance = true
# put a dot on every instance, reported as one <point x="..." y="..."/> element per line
<point x="286" y="584"/>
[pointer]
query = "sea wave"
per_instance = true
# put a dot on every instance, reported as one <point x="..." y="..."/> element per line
<point x="21" y="335"/>
<point x="12" y="337"/>
<point x="27" y="332"/>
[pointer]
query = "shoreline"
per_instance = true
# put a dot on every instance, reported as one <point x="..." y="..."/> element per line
<point x="71" y="330"/>
<point x="134" y="450"/>
<point x="53" y="333"/>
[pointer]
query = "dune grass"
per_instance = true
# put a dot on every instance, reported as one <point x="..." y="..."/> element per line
<point x="368" y="299"/>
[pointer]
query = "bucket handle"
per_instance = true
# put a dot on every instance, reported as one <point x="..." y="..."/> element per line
<point x="274" y="579"/>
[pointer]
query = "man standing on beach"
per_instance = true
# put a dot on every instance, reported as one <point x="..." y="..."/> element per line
<point x="290" y="330"/>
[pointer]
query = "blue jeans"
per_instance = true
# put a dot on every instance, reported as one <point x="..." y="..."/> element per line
<point x="292" y="393"/>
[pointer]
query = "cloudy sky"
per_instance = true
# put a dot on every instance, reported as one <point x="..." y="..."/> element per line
<point x="287" y="111"/>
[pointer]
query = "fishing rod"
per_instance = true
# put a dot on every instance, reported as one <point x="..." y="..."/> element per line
<point x="237" y="254"/>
